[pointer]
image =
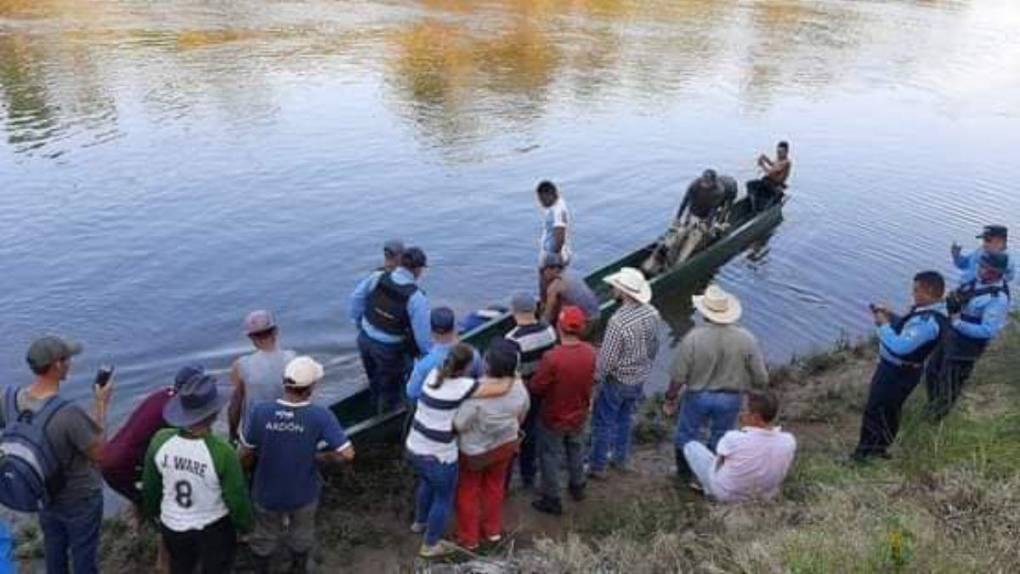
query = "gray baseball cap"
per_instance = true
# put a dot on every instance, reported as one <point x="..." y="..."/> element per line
<point x="48" y="350"/>
<point x="393" y="248"/>
<point x="523" y="302"/>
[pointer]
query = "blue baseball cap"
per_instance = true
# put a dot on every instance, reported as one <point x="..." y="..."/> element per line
<point x="997" y="261"/>
<point x="443" y="320"/>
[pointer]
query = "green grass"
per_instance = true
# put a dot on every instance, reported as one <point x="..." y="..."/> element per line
<point x="948" y="501"/>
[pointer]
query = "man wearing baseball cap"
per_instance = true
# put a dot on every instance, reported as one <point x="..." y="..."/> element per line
<point x="978" y="310"/>
<point x="70" y="523"/>
<point x="193" y="482"/>
<point x="563" y="382"/>
<point x="444" y="337"/>
<point x="256" y="376"/>
<point x="392" y="251"/>
<point x="993" y="240"/>
<point x="393" y="319"/>
<point x="288" y="437"/>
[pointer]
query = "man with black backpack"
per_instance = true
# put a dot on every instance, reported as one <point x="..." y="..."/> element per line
<point x="905" y="342"/>
<point x="978" y="310"/>
<point x="49" y="450"/>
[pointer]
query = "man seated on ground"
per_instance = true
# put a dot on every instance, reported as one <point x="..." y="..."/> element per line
<point x="707" y="200"/>
<point x="750" y="463"/>
<point x="766" y="191"/>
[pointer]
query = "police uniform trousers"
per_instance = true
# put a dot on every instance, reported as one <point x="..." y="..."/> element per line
<point x="891" y="385"/>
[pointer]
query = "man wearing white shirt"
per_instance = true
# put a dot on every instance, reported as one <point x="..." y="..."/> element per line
<point x="556" y="226"/>
<point x="750" y="463"/>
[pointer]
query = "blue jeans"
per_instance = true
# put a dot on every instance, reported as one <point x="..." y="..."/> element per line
<point x="72" y="527"/>
<point x="387" y="366"/>
<point x="611" y="422"/>
<point x="718" y="410"/>
<point x="6" y="550"/>
<point x="437" y="485"/>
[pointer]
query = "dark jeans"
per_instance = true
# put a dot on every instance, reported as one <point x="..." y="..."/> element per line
<point x="763" y="193"/>
<point x="611" y="423"/>
<point x="387" y="366"/>
<point x="211" y="549"/>
<point x="718" y="410"/>
<point x="437" y="485"/>
<point x="527" y="457"/>
<point x="890" y="388"/>
<point x="946" y="373"/>
<point x="74" y="528"/>
<point x="555" y="447"/>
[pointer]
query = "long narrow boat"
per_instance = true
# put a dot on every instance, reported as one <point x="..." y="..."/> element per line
<point x="357" y="413"/>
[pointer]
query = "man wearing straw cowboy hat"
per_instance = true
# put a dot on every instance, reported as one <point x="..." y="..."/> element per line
<point x="624" y="363"/>
<point x="193" y="482"/>
<point x="716" y="363"/>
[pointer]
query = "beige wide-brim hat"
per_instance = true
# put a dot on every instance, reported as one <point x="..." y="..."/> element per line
<point x="632" y="283"/>
<point x="718" y="306"/>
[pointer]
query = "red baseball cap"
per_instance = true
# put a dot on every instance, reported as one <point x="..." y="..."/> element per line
<point x="572" y="320"/>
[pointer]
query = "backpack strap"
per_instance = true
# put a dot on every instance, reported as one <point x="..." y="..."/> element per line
<point x="10" y="405"/>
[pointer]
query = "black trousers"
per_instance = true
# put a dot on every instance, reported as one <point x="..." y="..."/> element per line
<point x="211" y="548"/>
<point x="890" y="388"/>
<point x="763" y="193"/>
<point x="527" y="458"/>
<point x="944" y="380"/>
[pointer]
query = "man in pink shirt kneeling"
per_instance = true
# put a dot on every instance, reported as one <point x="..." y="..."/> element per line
<point x="749" y="463"/>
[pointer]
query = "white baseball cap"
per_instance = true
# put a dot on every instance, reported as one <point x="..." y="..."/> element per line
<point x="302" y="372"/>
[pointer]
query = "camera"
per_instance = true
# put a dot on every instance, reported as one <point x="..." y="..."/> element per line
<point x="955" y="302"/>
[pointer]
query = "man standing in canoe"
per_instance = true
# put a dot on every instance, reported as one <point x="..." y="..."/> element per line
<point x="623" y="365"/>
<point x="769" y="189"/>
<point x="706" y="201"/>
<point x="555" y="227"/>
<point x="393" y="320"/>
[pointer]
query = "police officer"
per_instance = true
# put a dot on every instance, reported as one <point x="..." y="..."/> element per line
<point x="392" y="316"/>
<point x="978" y="310"/>
<point x="993" y="240"/>
<point x="904" y="344"/>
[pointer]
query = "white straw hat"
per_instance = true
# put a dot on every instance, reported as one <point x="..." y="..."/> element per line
<point x="718" y="306"/>
<point x="632" y="283"/>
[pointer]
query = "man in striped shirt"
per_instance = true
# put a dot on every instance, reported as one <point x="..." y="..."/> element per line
<point x="533" y="337"/>
<point x="624" y="363"/>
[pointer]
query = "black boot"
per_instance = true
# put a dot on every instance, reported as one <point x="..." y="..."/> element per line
<point x="548" y="505"/>
<point x="299" y="563"/>
<point x="261" y="563"/>
<point x="683" y="470"/>
<point x="577" y="492"/>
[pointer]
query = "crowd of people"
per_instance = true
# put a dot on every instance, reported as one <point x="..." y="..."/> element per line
<point x="541" y="402"/>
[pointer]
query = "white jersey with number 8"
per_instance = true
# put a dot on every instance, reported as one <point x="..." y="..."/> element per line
<point x="192" y="495"/>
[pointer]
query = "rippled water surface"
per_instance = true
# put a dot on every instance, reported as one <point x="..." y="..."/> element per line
<point x="167" y="166"/>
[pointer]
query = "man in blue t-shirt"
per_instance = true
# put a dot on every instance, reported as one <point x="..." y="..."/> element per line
<point x="288" y="437"/>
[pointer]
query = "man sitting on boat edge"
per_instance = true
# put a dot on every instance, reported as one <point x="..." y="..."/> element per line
<point x="705" y="204"/>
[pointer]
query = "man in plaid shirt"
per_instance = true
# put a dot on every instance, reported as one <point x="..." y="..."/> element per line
<point x="624" y="363"/>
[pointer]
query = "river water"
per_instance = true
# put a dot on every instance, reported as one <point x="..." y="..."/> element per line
<point x="167" y="166"/>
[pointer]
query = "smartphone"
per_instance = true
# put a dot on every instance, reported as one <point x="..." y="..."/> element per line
<point x="873" y="307"/>
<point x="103" y="375"/>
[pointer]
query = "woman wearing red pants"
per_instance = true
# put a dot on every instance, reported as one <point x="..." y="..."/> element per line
<point x="488" y="432"/>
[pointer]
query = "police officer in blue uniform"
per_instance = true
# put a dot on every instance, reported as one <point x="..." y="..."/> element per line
<point x="393" y="319"/>
<point x="993" y="240"/>
<point x="978" y="310"/>
<point x="904" y="344"/>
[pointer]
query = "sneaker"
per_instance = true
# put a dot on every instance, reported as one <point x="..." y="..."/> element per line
<point x="418" y="527"/>
<point x="577" y="492"/>
<point x="548" y="506"/>
<point x="494" y="539"/>
<point x="696" y="486"/>
<point x="438" y="550"/>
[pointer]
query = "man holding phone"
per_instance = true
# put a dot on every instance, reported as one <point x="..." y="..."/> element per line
<point x="70" y="523"/>
<point x="905" y="342"/>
